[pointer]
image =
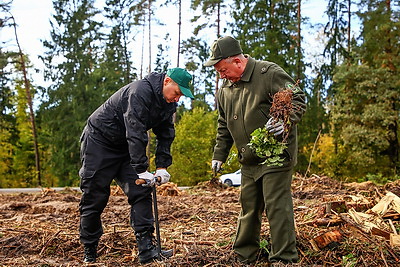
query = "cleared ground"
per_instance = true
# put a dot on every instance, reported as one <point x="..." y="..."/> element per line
<point x="41" y="229"/>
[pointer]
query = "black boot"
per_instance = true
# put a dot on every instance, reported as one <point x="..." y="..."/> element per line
<point x="148" y="249"/>
<point x="90" y="253"/>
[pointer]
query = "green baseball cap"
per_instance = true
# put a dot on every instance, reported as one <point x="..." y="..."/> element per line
<point x="183" y="79"/>
<point x="222" y="48"/>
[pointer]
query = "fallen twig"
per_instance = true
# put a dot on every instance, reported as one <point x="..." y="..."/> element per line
<point x="49" y="241"/>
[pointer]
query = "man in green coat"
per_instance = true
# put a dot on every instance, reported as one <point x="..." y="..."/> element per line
<point x="244" y="101"/>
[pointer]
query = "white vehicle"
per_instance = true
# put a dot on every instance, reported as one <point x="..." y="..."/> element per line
<point x="231" y="179"/>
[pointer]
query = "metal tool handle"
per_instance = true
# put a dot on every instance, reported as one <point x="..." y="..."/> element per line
<point x="155" y="209"/>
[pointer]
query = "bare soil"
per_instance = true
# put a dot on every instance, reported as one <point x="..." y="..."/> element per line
<point x="41" y="229"/>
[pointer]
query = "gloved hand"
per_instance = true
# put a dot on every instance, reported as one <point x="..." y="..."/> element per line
<point x="164" y="176"/>
<point x="273" y="127"/>
<point x="216" y="165"/>
<point x="148" y="177"/>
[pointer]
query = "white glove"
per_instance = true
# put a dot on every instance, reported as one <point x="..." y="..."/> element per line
<point x="164" y="176"/>
<point x="274" y="127"/>
<point x="216" y="165"/>
<point x="148" y="177"/>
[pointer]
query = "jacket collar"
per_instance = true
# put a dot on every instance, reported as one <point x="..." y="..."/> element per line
<point x="248" y="71"/>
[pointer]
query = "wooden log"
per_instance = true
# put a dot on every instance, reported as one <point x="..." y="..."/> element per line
<point x="392" y="216"/>
<point x="394" y="240"/>
<point x="358" y="206"/>
<point x="330" y="239"/>
<point x="380" y="232"/>
<point x="389" y="201"/>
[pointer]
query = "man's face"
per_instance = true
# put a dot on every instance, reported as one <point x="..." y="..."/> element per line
<point x="171" y="91"/>
<point x="230" y="68"/>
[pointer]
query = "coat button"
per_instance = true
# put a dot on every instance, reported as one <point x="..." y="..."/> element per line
<point x="263" y="69"/>
<point x="235" y="117"/>
<point x="243" y="149"/>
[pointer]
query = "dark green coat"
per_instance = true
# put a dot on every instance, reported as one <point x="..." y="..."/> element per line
<point x="244" y="106"/>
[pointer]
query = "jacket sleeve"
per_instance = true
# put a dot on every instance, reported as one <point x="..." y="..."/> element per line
<point x="224" y="140"/>
<point x="135" y="116"/>
<point x="165" y="134"/>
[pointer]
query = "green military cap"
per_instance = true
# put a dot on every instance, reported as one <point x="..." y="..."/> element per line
<point x="222" y="48"/>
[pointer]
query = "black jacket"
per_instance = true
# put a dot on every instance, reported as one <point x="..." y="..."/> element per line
<point x="124" y="119"/>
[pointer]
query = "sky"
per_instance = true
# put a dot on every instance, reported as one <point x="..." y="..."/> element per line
<point x="32" y="18"/>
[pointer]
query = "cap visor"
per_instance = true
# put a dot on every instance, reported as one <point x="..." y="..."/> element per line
<point x="212" y="62"/>
<point x="186" y="92"/>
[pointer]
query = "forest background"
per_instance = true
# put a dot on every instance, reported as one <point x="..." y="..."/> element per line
<point x="349" y="132"/>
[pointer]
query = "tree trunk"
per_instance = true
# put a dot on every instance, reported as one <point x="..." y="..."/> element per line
<point x="218" y="35"/>
<point x="30" y="105"/>
<point x="149" y="70"/>
<point x="179" y="32"/>
<point x="298" y="40"/>
<point x="349" y="28"/>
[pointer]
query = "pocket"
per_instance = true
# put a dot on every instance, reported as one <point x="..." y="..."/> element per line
<point x="84" y="173"/>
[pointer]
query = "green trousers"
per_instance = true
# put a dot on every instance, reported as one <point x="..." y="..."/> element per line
<point x="270" y="193"/>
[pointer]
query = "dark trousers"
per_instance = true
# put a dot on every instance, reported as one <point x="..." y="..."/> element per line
<point x="272" y="194"/>
<point x="101" y="164"/>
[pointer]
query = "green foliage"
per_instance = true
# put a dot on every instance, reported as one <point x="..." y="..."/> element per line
<point x="365" y="107"/>
<point x="116" y="64"/>
<point x="265" y="145"/>
<point x="193" y="146"/>
<point x="349" y="260"/>
<point x="88" y="58"/>
<point x="23" y="162"/>
<point x="258" y="25"/>
<point x="5" y="155"/>
<point x="366" y="119"/>
<point x="196" y="52"/>
<point x="75" y="91"/>
<point x="264" y="245"/>
<point x="327" y="158"/>
<point x="378" y="178"/>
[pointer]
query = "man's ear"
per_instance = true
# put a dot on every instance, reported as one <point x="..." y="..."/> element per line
<point x="167" y="80"/>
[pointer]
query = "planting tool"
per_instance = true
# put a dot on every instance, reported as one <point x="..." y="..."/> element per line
<point x="155" y="208"/>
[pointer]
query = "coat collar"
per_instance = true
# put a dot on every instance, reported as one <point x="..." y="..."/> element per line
<point x="248" y="71"/>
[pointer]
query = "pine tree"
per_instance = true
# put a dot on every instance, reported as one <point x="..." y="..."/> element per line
<point x="258" y="25"/>
<point x="116" y="64"/>
<point x="7" y="120"/>
<point x="366" y="108"/>
<point x="212" y="13"/>
<point x="71" y="59"/>
<point x="23" y="163"/>
<point x="192" y="148"/>
<point x="197" y="52"/>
